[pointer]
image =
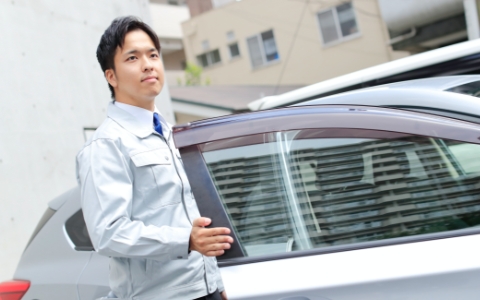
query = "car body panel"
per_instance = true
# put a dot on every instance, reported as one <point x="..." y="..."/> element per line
<point x="62" y="264"/>
<point x="93" y="281"/>
<point x="440" y="269"/>
<point x="422" y="93"/>
<point x="457" y="59"/>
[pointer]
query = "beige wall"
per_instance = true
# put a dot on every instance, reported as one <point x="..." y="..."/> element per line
<point x="173" y="60"/>
<point x="309" y="62"/>
<point x="198" y="7"/>
<point x="182" y="118"/>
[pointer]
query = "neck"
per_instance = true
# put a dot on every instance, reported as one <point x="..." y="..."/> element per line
<point x="145" y="104"/>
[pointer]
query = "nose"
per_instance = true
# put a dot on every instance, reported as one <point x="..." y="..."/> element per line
<point x="147" y="65"/>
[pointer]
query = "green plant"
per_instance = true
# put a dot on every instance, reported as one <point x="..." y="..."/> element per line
<point x="193" y="74"/>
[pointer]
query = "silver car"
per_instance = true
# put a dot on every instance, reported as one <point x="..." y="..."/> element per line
<point x="371" y="194"/>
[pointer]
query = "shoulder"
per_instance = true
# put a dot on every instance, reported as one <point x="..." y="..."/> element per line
<point x="109" y="132"/>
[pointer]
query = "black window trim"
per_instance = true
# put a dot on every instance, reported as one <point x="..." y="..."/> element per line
<point x="207" y="198"/>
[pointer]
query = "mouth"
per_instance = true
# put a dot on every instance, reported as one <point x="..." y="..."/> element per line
<point x="150" y="79"/>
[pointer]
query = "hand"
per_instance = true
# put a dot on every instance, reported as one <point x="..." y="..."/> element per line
<point x="209" y="241"/>
<point x="224" y="295"/>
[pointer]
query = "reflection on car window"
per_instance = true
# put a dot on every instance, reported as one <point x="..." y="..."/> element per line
<point x="296" y="190"/>
<point x="467" y="156"/>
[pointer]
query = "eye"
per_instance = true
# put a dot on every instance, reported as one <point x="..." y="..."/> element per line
<point x="154" y="55"/>
<point x="131" y="58"/>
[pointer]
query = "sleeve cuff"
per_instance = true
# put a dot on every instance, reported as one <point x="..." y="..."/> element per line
<point x="180" y="250"/>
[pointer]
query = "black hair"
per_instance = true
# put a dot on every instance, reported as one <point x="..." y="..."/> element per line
<point x="114" y="36"/>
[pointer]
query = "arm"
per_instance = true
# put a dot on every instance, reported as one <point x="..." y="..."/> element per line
<point x="106" y="182"/>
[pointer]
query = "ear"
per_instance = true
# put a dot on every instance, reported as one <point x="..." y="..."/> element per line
<point x="111" y="78"/>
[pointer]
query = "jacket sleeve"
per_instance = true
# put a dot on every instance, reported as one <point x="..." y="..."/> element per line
<point x="105" y="178"/>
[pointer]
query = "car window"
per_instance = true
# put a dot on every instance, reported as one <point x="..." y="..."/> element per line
<point x="77" y="232"/>
<point x="466" y="155"/>
<point x="304" y="189"/>
<point x="471" y="89"/>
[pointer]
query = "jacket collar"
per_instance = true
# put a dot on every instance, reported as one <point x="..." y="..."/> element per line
<point x="128" y="122"/>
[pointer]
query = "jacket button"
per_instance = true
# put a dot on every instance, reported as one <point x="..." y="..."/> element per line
<point x="166" y="157"/>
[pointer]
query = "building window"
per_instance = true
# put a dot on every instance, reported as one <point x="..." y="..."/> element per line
<point x="205" y="45"/>
<point x="262" y="48"/>
<point x="230" y="36"/>
<point x="234" y="50"/>
<point x="177" y="2"/>
<point x="210" y="58"/>
<point x="337" y="23"/>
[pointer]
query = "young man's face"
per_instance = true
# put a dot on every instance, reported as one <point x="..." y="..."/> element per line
<point x="138" y="77"/>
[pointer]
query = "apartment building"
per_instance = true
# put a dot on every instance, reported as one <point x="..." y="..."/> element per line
<point x="282" y="42"/>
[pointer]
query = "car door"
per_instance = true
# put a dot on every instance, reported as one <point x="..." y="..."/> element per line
<point x="340" y="202"/>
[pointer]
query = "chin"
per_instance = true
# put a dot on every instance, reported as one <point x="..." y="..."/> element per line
<point x="157" y="90"/>
<point x="153" y="92"/>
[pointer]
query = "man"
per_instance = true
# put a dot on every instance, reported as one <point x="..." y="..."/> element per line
<point x="136" y="199"/>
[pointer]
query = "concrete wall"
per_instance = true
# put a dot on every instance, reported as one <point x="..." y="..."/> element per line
<point x="307" y="62"/>
<point x="166" y="20"/>
<point x="51" y="89"/>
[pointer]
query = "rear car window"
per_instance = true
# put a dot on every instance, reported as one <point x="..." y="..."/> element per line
<point x="77" y="232"/>
<point x="297" y="190"/>
<point x="471" y="89"/>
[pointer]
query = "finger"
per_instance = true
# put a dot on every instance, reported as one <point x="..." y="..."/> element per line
<point x="209" y="242"/>
<point x="217" y="231"/>
<point x="206" y="233"/>
<point x="217" y="239"/>
<point x="216" y="247"/>
<point x="201" y="222"/>
<point x="223" y="239"/>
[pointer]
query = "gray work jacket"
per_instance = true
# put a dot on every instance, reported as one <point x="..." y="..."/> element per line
<point x="139" y="209"/>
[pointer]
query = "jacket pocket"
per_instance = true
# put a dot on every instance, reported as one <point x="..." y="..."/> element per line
<point x="156" y="177"/>
<point x="152" y="157"/>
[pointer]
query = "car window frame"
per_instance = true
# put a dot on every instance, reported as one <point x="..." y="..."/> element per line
<point x="191" y="138"/>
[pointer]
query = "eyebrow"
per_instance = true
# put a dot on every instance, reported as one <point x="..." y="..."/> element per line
<point x="136" y="51"/>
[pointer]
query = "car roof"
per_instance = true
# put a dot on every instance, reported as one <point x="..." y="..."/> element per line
<point x="384" y="70"/>
<point x="439" y="93"/>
